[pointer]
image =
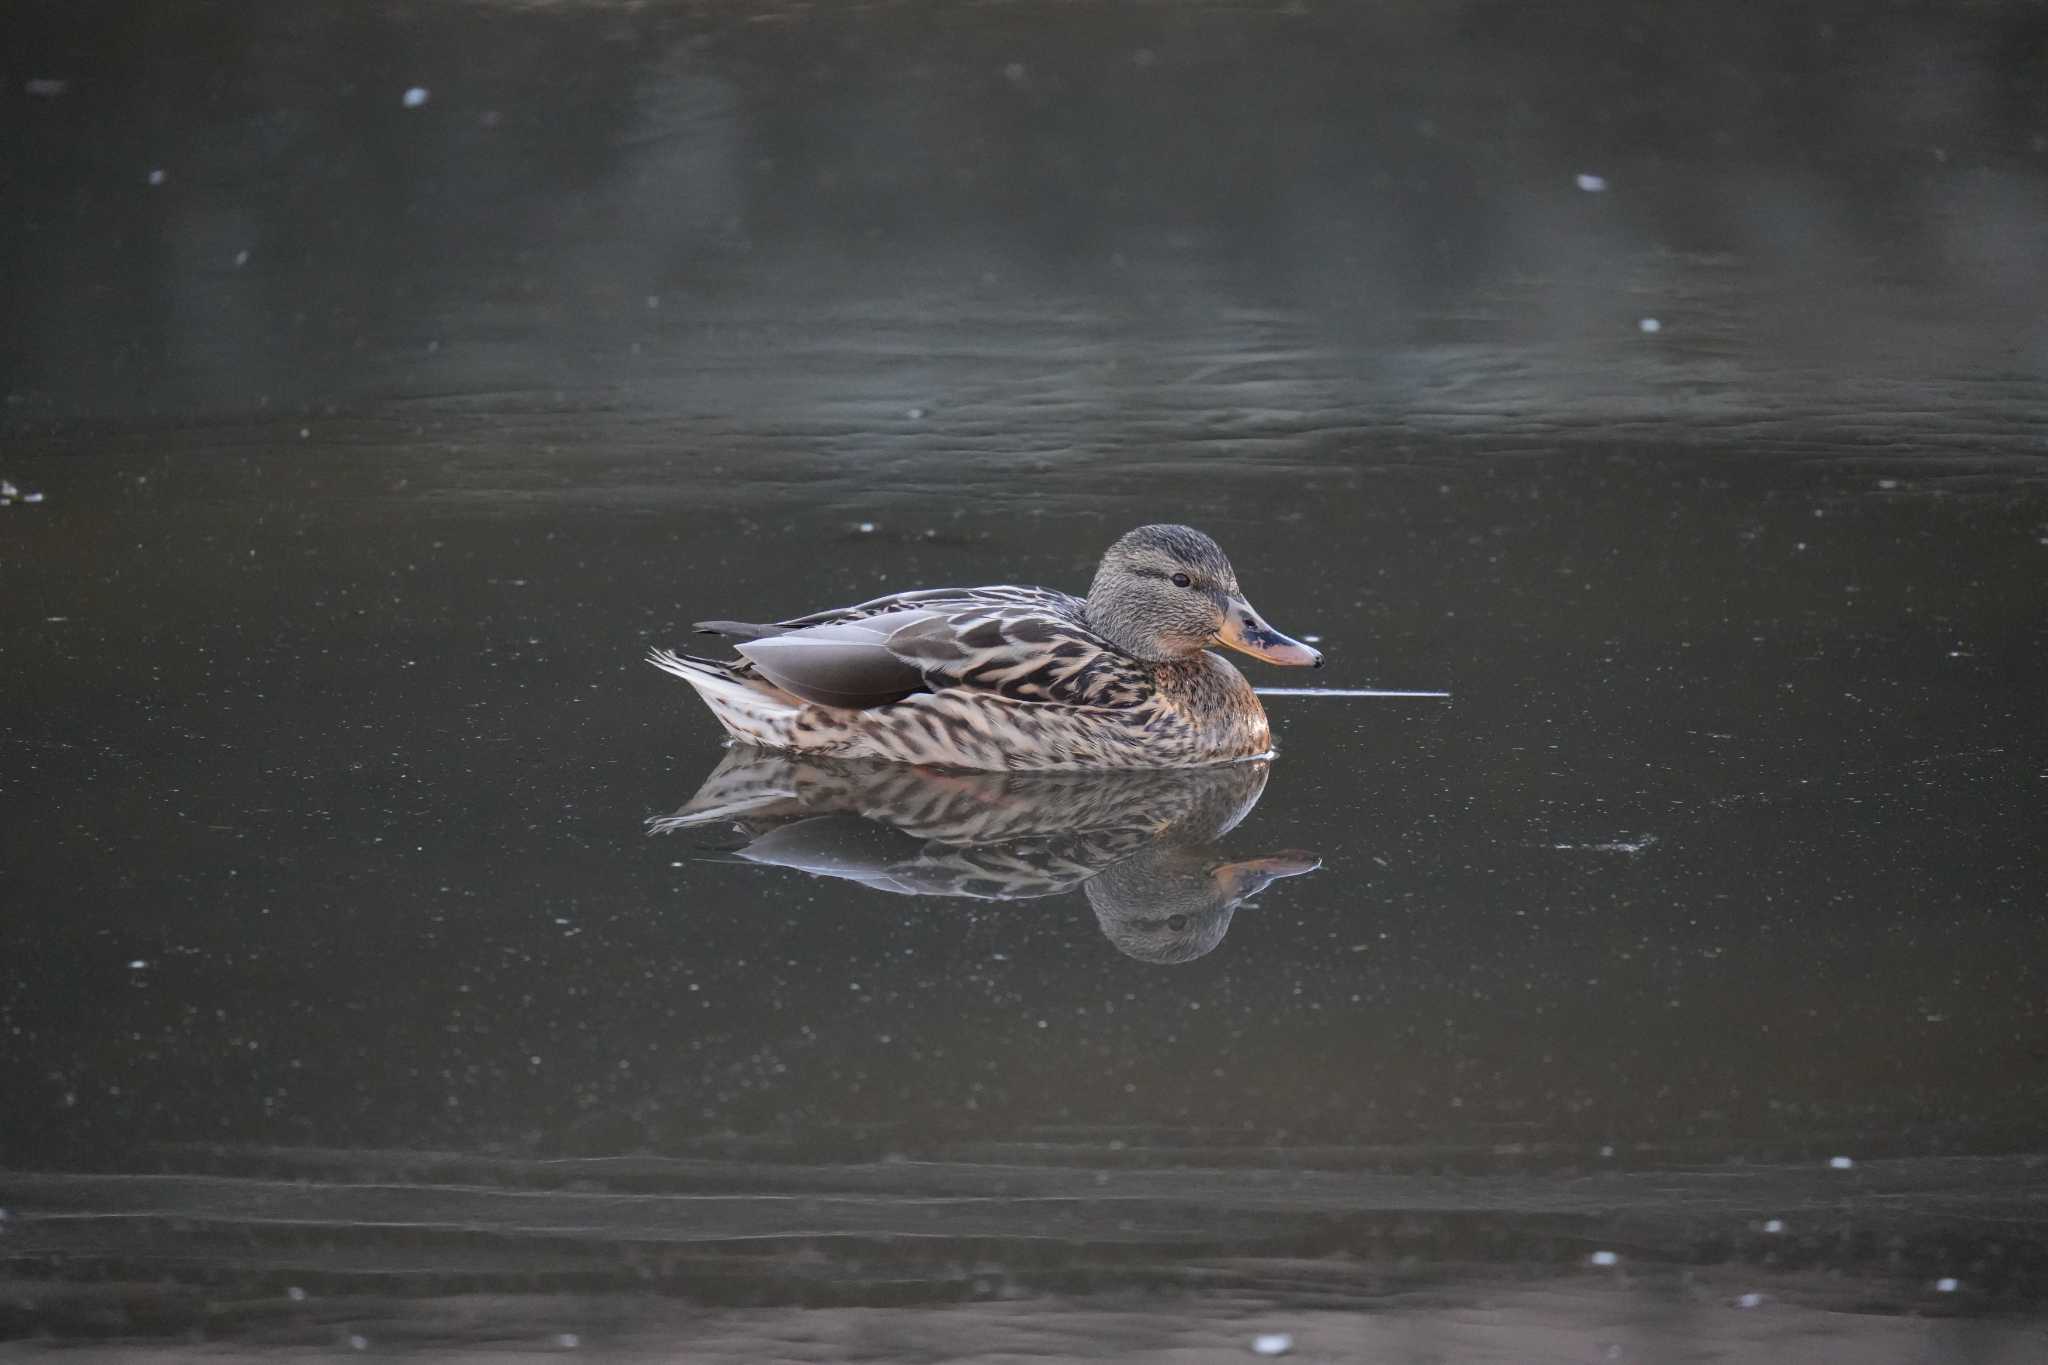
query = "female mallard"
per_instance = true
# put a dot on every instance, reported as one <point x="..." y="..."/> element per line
<point x="1009" y="677"/>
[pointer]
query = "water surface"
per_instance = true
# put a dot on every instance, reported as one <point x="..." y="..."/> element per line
<point x="376" y="443"/>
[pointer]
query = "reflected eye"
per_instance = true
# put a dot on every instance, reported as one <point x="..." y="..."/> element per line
<point x="1176" y="922"/>
<point x="1181" y="580"/>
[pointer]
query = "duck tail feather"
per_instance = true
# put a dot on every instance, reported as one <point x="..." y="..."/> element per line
<point x="749" y="708"/>
<point x="738" y="630"/>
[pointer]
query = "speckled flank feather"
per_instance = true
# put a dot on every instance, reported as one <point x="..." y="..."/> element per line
<point x="1175" y="727"/>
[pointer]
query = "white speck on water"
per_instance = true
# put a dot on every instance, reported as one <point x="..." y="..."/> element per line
<point x="1016" y="74"/>
<point x="7" y="489"/>
<point x="45" y="87"/>
<point x="1591" y="184"/>
<point x="1272" y="1344"/>
<point x="156" y="177"/>
<point x="31" y="497"/>
<point x="914" y="414"/>
<point x="1947" y="1284"/>
<point x="568" y="1340"/>
<point x="866" y="528"/>
<point x="416" y="96"/>
<point x="1841" y="1163"/>
<point x="1605" y="1258"/>
<point x="1607" y="1151"/>
<point x="138" y="964"/>
<point x="1887" y="484"/>
<point x="358" y="1342"/>
<point x="653" y="302"/>
<point x="1311" y="639"/>
<point x="1774" y="1225"/>
<point x="1749" y="1300"/>
<point x="295" y="1294"/>
<point x="1649" y="326"/>
<point x="305" y="432"/>
<point x="242" y="258"/>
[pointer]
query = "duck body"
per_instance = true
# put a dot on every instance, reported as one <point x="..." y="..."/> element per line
<point x="1011" y="678"/>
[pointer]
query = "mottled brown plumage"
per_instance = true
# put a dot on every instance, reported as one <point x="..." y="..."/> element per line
<point x="1013" y="677"/>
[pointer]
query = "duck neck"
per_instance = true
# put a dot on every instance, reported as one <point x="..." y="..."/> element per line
<point x="1217" y="700"/>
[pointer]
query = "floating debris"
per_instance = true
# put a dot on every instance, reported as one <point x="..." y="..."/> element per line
<point x="1272" y="1344"/>
<point x="1841" y="1163"/>
<point x="1749" y="1300"/>
<point x="1774" y="1225"/>
<point x="295" y="1294"/>
<point x="417" y="96"/>
<point x="1340" y="691"/>
<point x="1630" y="846"/>
<point x="1591" y="184"/>
<point x="45" y="87"/>
<point x="1604" y="1258"/>
<point x="1649" y="326"/>
<point x="1947" y="1284"/>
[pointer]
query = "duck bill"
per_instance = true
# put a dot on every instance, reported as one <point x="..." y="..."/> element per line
<point x="1243" y="880"/>
<point x="1244" y="631"/>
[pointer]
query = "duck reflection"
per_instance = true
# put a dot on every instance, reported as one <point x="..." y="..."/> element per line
<point x="1144" y="847"/>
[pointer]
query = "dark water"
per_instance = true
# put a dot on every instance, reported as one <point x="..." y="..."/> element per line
<point x="347" y="994"/>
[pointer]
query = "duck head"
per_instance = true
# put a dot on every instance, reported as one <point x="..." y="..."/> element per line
<point x="1167" y="592"/>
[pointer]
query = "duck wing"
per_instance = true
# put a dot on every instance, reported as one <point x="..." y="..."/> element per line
<point x="923" y="599"/>
<point x="1029" y="647"/>
<point x="1023" y="652"/>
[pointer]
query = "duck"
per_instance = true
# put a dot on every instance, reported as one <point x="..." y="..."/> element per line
<point x="1009" y="677"/>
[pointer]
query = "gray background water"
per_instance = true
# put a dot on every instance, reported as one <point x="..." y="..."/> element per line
<point x="376" y="443"/>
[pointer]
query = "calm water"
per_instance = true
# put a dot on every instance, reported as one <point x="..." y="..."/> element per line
<point x="391" y="959"/>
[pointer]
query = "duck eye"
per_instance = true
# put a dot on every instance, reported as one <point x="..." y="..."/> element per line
<point x="1181" y="580"/>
